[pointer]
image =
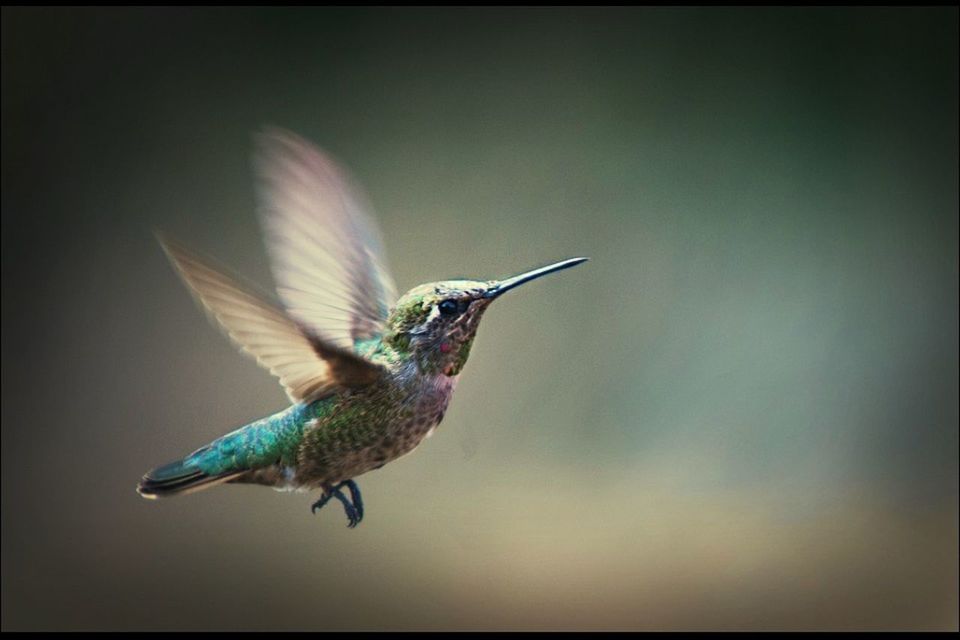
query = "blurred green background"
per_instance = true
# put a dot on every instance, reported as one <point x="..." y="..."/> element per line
<point x="741" y="414"/>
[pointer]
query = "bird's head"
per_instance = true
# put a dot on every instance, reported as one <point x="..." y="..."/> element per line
<point x="435" y="323"/>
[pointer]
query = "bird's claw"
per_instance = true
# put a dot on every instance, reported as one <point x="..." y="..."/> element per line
<point x="316" y="506"/>
<point x="353" y="518"/>
<point x="354" y="509"/>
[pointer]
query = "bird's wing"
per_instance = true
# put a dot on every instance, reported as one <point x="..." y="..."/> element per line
<point x="325" y="249"/>
<point x="308" y="365"/>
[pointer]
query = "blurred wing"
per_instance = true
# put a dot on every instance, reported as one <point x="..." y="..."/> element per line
<point x="325" y="249"/>
<point x="307" y="365"/>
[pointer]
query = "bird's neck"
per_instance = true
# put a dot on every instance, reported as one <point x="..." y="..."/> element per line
<point x="440" y="356"/>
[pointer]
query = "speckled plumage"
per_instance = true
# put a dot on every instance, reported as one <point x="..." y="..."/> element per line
<point x="353" y="431"/>
<point x="369" y="377"/>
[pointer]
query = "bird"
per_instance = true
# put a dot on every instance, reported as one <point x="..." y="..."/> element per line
<point x="369" y="374"/>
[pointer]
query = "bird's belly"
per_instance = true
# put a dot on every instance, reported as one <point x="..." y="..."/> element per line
<point x="385" y="438"/>
<point x="354" y="461"/>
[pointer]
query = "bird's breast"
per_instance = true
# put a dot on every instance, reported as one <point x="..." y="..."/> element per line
<point x="432" y="403"/>
<point x="370" y="428"/>
<point x="426" y="403"/>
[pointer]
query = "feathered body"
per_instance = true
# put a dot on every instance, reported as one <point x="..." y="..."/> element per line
<point x="370" y="376"/>
<point x="334" y="439"/>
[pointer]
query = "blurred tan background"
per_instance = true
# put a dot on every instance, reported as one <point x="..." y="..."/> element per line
<point x="741" y="414"/>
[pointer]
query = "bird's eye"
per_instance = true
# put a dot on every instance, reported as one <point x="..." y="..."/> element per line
<point x="448" y="307"/>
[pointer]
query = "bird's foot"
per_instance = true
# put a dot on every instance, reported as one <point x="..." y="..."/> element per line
<point x="354" y="509"/>
<point x="355" y="497"/>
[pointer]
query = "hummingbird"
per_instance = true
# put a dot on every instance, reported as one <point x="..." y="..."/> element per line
<point x="369" y="375"/>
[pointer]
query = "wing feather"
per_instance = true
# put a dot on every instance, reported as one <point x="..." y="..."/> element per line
<point x="307" y="365"/>
<point x="326" y="254"/>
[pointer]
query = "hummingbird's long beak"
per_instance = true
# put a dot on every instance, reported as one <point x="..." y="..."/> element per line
<point x="505" y="285"/>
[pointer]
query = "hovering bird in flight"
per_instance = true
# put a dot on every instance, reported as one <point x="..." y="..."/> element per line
<point x="369" y="375"/>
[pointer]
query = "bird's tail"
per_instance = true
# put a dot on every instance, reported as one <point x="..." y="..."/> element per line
<point x="182" y="476"/>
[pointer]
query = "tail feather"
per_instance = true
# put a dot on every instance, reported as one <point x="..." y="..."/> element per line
<point x="227" y="458"/>
<point x="180" y="477"/>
